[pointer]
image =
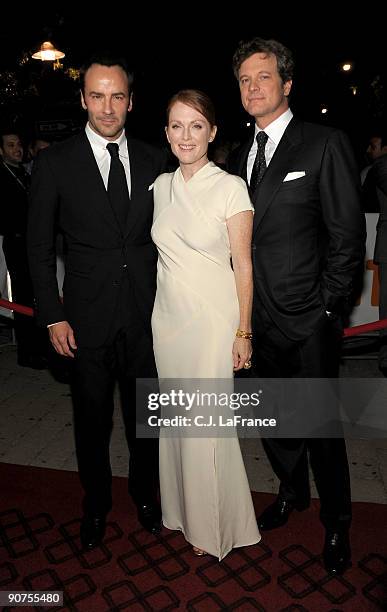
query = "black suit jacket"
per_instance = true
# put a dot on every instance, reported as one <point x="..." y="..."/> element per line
<point x="309" y="233"/>
<point x="13" y="204"/>
<point x="369" y="193"/>
<point x="68" y="193"/>
<point x="378" y="173"/>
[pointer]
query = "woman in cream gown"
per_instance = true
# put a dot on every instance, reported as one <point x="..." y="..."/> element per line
<point x="202" y="216"/>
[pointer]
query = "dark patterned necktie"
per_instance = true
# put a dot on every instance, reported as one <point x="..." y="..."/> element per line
<point x="259" y="166"/>
<point x="117" y="187"/>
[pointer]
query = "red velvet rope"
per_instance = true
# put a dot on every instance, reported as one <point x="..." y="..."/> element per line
<point x="348" y="331"/>
<point x="365" y="327"/>
<point x="17" y="307"/>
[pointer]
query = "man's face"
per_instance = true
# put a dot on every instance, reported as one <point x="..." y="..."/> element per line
<point x="263" y="94"/>
<point x="374" y="149"/>
<point x="106" y="99"/>
<point x="11" y="149"/>
<point x="39" y="145"/>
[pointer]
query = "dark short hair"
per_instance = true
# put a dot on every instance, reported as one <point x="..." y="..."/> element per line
<point x="198" y="100"/>
<point x="285" y="61"/>
<point x="379" y="131"/>
<point x="105" y="60"/>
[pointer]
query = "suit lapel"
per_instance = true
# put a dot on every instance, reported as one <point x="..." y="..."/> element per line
<point x="92" y="180"/>
<point x="279" y="165"/>
<point x="139" y="183"/>
<point x="241" y="170"/>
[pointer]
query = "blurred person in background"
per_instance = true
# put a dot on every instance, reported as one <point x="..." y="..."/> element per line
<point x="31" y="341"/>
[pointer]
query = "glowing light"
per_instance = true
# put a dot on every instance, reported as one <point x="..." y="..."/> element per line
<point x="48" y="53"/>
<point x="73" y="73"/>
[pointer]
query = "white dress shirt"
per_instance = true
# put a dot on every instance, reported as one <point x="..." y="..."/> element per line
<point x="275" y="131"/>
<point x="102" y="155"/>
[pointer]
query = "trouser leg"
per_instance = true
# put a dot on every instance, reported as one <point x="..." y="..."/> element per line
<point x="316" y="357"/>
<point x="92" y="387"/>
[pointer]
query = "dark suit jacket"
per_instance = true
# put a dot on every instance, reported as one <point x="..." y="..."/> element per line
<point x="379" y="178"/>
<point x="309" y="233"/>
<point x="68" y="193"/>
<point x="13" y="204"/>
<point x="369" y="193"/>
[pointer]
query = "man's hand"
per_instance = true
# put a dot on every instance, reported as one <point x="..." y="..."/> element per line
<point x="62" y="338"/>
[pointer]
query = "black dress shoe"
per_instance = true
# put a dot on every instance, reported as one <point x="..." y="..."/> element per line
<point x="275" y="515"/>
<point x="337" y="552"/>
<point x="149" y="516"/>
<point x="92" y="531"/>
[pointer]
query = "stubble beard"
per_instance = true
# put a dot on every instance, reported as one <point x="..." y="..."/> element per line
<point x="107" y="132"/>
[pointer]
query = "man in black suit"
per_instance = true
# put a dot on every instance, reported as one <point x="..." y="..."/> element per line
<point x="378" y="176"/>
<point x="14" y="185"/>
<point x="308" y="244"/>
<point x="370" y="193"/>
<point x="96" y="187"/>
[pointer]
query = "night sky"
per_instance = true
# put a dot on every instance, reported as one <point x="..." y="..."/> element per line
<point x="187" y="47"/>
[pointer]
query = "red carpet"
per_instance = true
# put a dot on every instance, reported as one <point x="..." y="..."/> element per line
<point x="39" y="549"/>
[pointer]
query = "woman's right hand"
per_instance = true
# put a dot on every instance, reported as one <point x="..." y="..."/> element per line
<point x="241" y="353"/>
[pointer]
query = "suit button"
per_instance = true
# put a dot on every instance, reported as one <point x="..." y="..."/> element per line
<point x="253" y="247"/>
<point x="125" y="265"/>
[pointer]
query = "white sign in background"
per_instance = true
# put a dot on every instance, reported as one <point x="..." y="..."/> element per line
<point x="367" y="309"/>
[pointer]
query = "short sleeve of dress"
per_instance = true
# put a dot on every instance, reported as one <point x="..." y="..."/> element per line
<point x="238" y="199"/>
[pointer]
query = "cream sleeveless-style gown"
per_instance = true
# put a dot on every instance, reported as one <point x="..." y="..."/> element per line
<point x="204" y="488"/>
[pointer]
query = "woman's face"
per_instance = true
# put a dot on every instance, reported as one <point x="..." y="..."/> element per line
<point x="189" y="133"/>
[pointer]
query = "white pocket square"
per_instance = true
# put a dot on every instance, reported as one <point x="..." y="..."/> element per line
<point x="291" y="176"/>
<point x="151" y="186"/>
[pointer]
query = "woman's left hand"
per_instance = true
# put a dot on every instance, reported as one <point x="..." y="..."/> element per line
<point x="241" y="354"/>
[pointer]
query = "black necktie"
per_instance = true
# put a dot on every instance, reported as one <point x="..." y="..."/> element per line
<point x="259" y="162"/>
<point x="117" y="185"/>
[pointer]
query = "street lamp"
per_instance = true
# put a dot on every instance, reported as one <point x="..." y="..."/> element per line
<point x="346" y="67"/>
<point x="48" y="53"/>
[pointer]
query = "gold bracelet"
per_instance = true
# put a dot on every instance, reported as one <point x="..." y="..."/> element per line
<point x="243" y="334"/>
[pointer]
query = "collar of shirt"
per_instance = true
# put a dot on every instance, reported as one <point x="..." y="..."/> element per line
<point x="275" y="131"/>
<point x="98" y="143"/>
<point x="102" y="155"/>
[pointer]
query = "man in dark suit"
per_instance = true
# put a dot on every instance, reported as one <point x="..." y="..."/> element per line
<point x="370" y="193"/>
<point x="14" y="185"/>
<point x="378" y="176"/>
<point x="308" y="244"/>
<point x="96" y="187"/>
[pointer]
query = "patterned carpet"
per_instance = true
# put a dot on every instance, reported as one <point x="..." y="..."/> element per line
<point x="132" y="570"/>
